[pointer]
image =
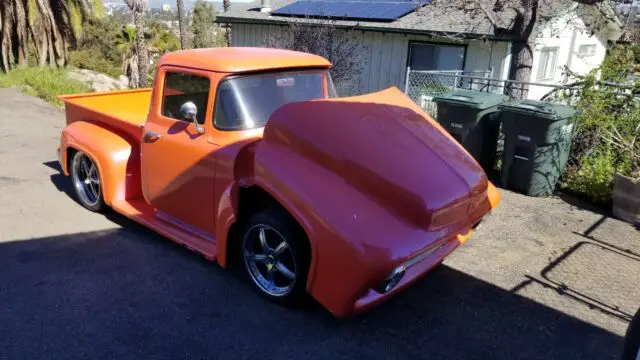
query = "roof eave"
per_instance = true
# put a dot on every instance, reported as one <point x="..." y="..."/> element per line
<point x="461" y="35"/>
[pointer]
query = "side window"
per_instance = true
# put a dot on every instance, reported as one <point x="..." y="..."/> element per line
<point x="548" y="64"/>
<point x="180" y="88"/>
<point x="587" y="50"/>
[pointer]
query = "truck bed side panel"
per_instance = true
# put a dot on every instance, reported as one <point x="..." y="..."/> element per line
<point x="123" y="112"/>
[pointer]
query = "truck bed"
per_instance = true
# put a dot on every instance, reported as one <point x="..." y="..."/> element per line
<point x="123" y="110"/>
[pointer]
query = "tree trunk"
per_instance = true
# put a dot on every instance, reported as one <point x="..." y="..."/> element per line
<point x="226" y="4"/>
<point x="523" y="31"/>
<point x="182" y="24"/>
<point x="5" y="43"/>
<point x="55" y="45"/>
<point x="141" y="48"/>
<point x="21" y="43"/>
<point x="130" y="69"/>
<point x="42" y="60"/>
<point x="521" y="63"/>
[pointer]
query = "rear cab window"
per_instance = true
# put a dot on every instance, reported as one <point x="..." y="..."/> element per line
<point x="248" y="101"/>
<point x="182" y="87"/>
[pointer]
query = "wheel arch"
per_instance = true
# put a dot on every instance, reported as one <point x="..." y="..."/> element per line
<point x="70" y="152"/>
<point x="110" y="152"/>
<point x="248" y="199"/>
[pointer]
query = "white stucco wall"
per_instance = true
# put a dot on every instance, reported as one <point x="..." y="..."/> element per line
<point x="384" y="55"/>
<point x="566" y="34"/>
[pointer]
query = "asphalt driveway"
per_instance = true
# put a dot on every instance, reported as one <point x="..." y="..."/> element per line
<point x="543" y="279"/>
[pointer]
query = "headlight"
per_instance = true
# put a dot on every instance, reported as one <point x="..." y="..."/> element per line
<point x="392" y="280"/>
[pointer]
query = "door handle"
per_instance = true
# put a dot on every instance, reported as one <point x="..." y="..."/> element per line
<point x="151" y="136"/>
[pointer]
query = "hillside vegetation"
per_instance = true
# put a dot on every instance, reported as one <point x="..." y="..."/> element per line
<point x="45" y="83"/>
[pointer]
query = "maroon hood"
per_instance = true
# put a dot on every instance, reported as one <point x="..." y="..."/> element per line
<point x="386" y="147"/>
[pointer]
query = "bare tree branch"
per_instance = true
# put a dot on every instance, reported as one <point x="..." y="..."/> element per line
<point x="325" y="39"/>
<point x="487" y="13"/>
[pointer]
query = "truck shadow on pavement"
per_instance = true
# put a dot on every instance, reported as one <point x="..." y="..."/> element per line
<point x="127" y="293"/>
<point x="60" y="181"/>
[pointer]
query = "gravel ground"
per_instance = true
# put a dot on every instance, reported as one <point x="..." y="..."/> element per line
<point x="542" y="279"/>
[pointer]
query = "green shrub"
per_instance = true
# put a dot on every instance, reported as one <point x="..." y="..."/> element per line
<point x="45" y="83"/>
<point x="607" y="126"/>
<point x="91" y="59"/>
<point x="593" y="179"/>
<point x="100" y="37"/>
<point x="435" y="89"/>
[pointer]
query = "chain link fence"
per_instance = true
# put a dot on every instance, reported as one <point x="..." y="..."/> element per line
<point x="423" y="86"/>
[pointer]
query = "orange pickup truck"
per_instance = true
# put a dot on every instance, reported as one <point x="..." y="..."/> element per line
<point x="248" y="151"/>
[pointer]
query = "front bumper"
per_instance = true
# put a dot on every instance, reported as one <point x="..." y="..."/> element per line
<point x="417" y="267"/>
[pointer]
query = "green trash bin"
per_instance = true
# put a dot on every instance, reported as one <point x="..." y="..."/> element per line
<point x="473" y="119"/>
<point x="537" y="144"/>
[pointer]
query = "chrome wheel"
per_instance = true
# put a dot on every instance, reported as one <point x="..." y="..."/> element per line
<point x="86" y="179"/>
<point x="269" y="260"/>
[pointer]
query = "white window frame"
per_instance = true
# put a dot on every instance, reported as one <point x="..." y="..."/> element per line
<point x="587" y="50"/>
<point x="547" y="67"/>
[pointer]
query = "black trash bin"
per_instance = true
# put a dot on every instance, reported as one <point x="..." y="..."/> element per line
<point x="473" y="118"/>
<point x="537" y="144"/>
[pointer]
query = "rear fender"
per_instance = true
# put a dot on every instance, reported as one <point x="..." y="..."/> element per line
<point x="118" y="160"/>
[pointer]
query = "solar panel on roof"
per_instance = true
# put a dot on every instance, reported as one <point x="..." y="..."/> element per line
<point x="387" y="10"/>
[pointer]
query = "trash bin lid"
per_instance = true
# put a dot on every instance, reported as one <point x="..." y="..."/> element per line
<point x="539" y="109"/>
<point x="473" y="99"/>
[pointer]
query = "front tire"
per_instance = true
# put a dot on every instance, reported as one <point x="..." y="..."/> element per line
<point x="86" y="182"/>
<point x="632" y="339"/>
<point x="276" y="256"/>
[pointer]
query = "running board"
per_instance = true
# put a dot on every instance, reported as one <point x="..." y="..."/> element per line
<point x="141" y="212"/>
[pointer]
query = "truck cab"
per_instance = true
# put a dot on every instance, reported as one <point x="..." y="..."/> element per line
<point x="348" y="200"/>
<point x="233" y="99"/>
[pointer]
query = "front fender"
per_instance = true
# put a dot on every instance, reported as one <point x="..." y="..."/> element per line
<point x="355" y="240"/>
<point x="117" y="159"/>
<point x="351" y="235"/>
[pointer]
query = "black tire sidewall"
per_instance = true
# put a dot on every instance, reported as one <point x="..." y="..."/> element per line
<point x="632" y="339"/>
<point x="281" y="221"/>
<point x="100" y="205"/>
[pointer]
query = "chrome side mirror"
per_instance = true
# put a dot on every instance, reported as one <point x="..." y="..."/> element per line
<point x="189" y="111"/>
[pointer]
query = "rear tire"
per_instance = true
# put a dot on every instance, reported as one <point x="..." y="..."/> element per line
<point x="87" y="186"/>
<point x="276" y="257"/>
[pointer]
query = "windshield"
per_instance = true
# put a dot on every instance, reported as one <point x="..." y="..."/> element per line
<point x="247" y="102"/>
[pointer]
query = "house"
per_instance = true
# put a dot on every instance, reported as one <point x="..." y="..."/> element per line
<point x="435" y="38"/>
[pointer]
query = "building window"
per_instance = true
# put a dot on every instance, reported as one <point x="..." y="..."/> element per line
<point x="429" y="57"/>
<point x="586" y="51"/>
<point x="548" y="64"/>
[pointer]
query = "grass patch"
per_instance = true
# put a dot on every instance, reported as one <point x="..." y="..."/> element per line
<point x="45" y="83"/>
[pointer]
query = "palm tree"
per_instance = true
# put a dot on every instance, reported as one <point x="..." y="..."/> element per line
<point x="182" y="24"/>
<point x="226" y="4"/>
<point x="126" y="44"/>
<point x="139" y="7"/>
<point x="52" y="25"/>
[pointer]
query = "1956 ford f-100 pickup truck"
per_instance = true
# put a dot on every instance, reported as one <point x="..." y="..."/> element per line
<point x="248" y="151"/>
